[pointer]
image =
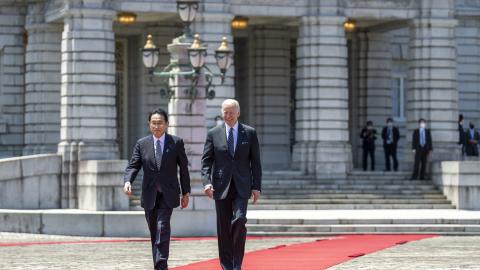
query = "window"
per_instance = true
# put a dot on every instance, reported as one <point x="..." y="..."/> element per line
<point x="398" y="97"/>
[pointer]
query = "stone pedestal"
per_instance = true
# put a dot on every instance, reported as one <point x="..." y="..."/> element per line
<point x="100" y="185"/>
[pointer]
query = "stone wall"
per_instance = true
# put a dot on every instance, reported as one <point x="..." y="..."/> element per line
<point x="31" y="182"/>
<point x="459" y="182"/>
<point x="100" y="185"/>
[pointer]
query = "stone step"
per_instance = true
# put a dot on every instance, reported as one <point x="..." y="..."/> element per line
<point x="351" y="186"/>
<point x="312" y="230"/>
<point x="349" y="182"/>
<point x="362" y="221"/>
<point x="346" y="206"/>
<point x="352" y="196"/>
<point x="353" y="201"/>
<point x="347" y="191"/>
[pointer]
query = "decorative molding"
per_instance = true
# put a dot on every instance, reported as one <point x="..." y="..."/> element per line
<point x="380" y="4"/>
<point x="267" y="2"/>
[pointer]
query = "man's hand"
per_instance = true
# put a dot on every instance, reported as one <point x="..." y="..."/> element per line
<point x="255" y="196"/>
<point x="208" y="190"/>
<point x="184" y="201"/>
<point x="127" y="188"/>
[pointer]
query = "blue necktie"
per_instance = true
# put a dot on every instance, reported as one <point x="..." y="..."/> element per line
<point x="158" y="154"/>
<point x="231" y="149"/>
<point x="422" y="137"/>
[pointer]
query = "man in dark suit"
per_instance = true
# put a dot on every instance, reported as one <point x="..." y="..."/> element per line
<point x="461" y="134"/>
<point x="422" y="147"/>
<point x="390" y="136"/>
<point x="471" y="139"/>
<point x="231" y="174"/>
<point x="368" y="136"/>
<point x="160" y="155"/>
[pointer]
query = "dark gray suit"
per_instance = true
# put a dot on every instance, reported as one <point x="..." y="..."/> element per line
<point x="159" y="206"/>
<point x="233" y="178"/>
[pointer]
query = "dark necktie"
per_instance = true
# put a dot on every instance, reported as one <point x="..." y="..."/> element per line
<point x="158" y="154"/>
<point x="231" y="149"/>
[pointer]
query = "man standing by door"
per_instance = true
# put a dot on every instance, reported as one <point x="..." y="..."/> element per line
<point x="368" y="136"/>
<point x="231" y="174"/>
<point x="422" y="147"/>
<point x="390" y="136"/>
<point x="160" y="155"/>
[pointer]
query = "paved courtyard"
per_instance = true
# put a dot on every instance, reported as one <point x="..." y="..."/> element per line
<point x="449" y="252"/>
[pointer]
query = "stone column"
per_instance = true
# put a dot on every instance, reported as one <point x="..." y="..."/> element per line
<point x="379" y="88"/>
<point x="272" y="94"/>
<point x="88" y="113"/>
<point x="12" y="70"/>
<point x="467" y="36"/>
<point x="322" y="98"/>
<point x="212" y="25"/>
<point x="432" y="88"/>
<point x="362" y="94"/>
<point x="42" y="84"/>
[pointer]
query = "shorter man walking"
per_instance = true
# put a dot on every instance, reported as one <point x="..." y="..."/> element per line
<point x="471" y="140"/>
<point x="368" y="136"/>
<point x="390" y="136"/>
<point x="421" y="146"/>
<point x="162" y="158"/>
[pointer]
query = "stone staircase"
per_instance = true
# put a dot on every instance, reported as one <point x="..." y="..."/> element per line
<point x="361" y="190"/>
<point x="295" y="204"/>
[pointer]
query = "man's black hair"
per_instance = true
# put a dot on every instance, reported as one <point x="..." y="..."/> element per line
<point x="422" y="120"/>
<point x="389" y="119"/>
<point x="159" y="111"/>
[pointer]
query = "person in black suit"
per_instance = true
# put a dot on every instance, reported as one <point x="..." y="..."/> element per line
<point x="422" y="147"/>
<point x="231" y="174"/>
<point x="471" y="139"/>
<point x="390" y="136"/>
<point x="461" y="134"/>
<point x="368" y="136"/>
<point x="160" y="155"/>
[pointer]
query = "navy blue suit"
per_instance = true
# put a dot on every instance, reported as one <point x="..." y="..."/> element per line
<point x="159" y="206"/>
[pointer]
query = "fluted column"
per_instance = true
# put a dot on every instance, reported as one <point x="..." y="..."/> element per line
<point x="322" y="98"/>
<point x="42" y="84"/>
<point x="432" y="89"/>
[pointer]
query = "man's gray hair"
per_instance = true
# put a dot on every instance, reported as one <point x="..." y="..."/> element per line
<point x="231" y="103"/>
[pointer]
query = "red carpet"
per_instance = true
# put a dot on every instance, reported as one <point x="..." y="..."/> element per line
<point x="313" y="255"/>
